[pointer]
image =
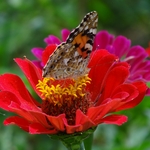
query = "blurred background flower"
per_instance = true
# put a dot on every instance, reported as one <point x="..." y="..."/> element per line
<point x="24" y="25"/>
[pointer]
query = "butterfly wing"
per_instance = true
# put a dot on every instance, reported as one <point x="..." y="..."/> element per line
<point x="70" y="58"/>
<point x="83" y="35"/>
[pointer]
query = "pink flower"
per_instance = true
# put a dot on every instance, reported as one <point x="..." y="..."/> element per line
<point x="136" y="56"/>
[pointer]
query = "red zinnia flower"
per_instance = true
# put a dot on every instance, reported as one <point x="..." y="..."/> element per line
<point x="71" y="105"/>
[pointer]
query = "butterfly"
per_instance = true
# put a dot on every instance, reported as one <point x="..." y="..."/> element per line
<point x="70" y="58"/>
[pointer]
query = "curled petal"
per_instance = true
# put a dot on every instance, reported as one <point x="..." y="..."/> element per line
<point x="142" y="88"/>
<point x="51" y="39"/>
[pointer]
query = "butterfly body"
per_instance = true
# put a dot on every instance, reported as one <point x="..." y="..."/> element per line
<point x="70" y="58"/>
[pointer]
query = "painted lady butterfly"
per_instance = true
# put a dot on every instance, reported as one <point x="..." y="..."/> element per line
<point x="70" y="58"/>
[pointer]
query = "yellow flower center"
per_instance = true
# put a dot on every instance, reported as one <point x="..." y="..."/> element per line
<point x="65" y="96"/>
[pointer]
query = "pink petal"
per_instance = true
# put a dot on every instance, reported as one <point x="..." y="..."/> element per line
<point x="121" y="46"/>
<point x="51" y="39"/>
<point x="65" y="33"/>
<point x="37" y="51"/>
<point x="103" y="39"/>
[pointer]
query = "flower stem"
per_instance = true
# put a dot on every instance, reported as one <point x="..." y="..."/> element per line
<point x="76" y="147"/>
<point x="88" y="142"/>
<point x="82" y="146"/>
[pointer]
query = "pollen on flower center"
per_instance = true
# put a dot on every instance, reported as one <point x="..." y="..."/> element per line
<point x="61" y="97"/>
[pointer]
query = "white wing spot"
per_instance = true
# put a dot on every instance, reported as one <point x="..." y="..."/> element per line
<point x="66" y="61"/>
<point x="88" y="46"/>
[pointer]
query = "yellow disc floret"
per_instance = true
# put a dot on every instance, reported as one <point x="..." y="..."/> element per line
<point x="57" y="94"/>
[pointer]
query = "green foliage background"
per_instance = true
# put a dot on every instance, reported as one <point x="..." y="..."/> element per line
<point x="25" y="23"/>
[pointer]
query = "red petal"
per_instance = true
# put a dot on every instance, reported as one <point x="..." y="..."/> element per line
<point x="34" y="116"/>
<point x="114" y="119"/>
<point x="82" y="123"/>
<point x="10" y="102"/>
<point x="83" y="120"/>
<point x="57" y="121"/>
<point x="47" y="52"/>
<point x="97" y="113"/>
<point x="100" y="63"/>
<point x="37" y="116"/>
<point x="97" y="55"/>
<point x="71" y="128"/>
<point x="148" y="51"/>
<point x="22" y="123"/>
<point x="141" y="87"/>
<point x="128" y="89"/>
<point x="13" y="84"/>
<point x="37" y="128"/>
<point x="32" y="128"/>
<point x="32" y="73"/>
<point x="6" y="99"/>
<point x="114" y="78"/>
